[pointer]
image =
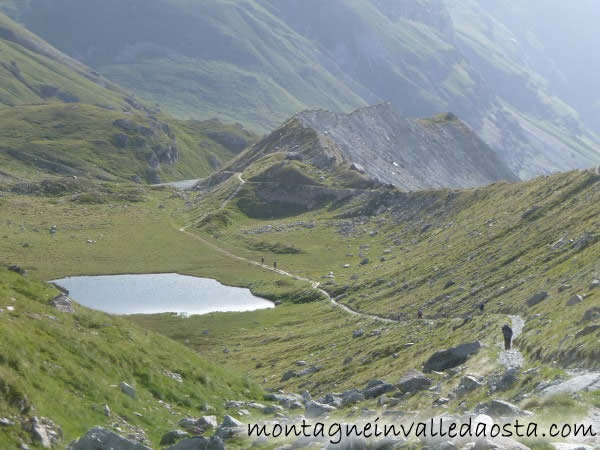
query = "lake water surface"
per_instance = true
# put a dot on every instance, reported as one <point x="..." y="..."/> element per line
<point x="159" y="293"/>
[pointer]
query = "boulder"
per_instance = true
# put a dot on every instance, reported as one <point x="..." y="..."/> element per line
<point x="358" y="333"/>
<point x="207" y="422"/>
<point x="452" y="357"/>
<point x="4" y="422"/>
<point x="574" y="300"/>
<point x="498" y="408"/>
<point x="17" y="269"/>
<point x="358" y="168"/>
<point x="231" y="422"/>
<point x="172" y="437"/>
<point x="43" y="431"/>
<point x="414" y="381"/>
<point x="308" y="371"/>
<point x="315" y="409"/>
<point x="128" y="389"/>
<point x="505" y="381"/>
<point x="62" y="303"/>
<point x="332" y="400"/>
<point x="591" y="314"/>
<point x="536" y="298"/>
<point x="587" y="330"/>
<point x="467" y="384"/>
<point x="351" y="397"/>
<point x="193" y="443"/>
<point x="287" y="375"/>
<point x="594" y="284"/>
<point x="375" y="388"/>
<point x="101" y="438"/>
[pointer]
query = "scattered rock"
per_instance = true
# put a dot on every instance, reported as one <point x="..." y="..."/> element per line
<point x="193" y="443"/>
<point x="426" y="228"/>
<point x="505" y="381"/>
<point x="594" y="284"/>
<point x="172" y="437"/>
<point x="127" y="389"/>
<point x="530" y="212"/>
<point x="452" y="357"/>
<point x="498" y="408"/>
<point x="449" y="284"/>
<point x="351" y="397"/>
<point x="358" y="333"/>
<point x="591" y="314"/>
<point x="4" y="422"/>
<point x="107" y="411"/>
<point x="574" y="300"/>
<point x="101" y="438"/>
<point x="467" y="384"/>
<point x="62" y="303"/>
<point x="347" y="360"/>
<point x="537" y="298"/>
<point x="231" y="422"/>
<point x="314" y="409"/>
<point x="375" y="388"/>
<point x="414" y="381"/>
<point x="43" y="431"/>
<point x="564" y="287"/>
<point x="358" y="168"/>
<point x="17" y="269"/>
<point x="587" y="330"/>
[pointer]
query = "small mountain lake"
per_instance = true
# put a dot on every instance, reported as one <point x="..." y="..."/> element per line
<point x="159" y="293"/>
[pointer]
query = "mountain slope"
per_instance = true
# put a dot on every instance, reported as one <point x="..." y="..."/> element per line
<point x="259" y="63"/>
<point x="409" y="153"/>
<point x="62" y="119"/>
<point x="67" y="366"/>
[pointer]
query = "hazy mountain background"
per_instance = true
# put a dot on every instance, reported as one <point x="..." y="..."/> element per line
<point x="515" y="80"/>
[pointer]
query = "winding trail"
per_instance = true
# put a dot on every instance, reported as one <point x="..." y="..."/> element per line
<point x="314" y="284"/>
<point x="513" y="357"/>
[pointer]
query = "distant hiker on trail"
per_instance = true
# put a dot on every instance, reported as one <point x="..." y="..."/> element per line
<point x="420" y="314"/>
<point x="481" y="306"/>
<point x="275" y="265"/>
<point x="262" y="260"/>
<point x="508" y="333"/>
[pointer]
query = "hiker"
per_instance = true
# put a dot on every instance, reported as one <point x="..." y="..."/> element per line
<point x="420" y="314"/>
<point x="508" y="333"/>
<point x="275" y="265"/>
<point x="481" y="306"/>
<point x="262" y="260"/>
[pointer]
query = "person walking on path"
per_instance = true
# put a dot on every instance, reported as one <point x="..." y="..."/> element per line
<point x="262" y="260"/>
<point x="508" y="334"/>
<point x="275" y="265"/>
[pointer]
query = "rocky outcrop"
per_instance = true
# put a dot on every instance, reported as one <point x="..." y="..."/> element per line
<point x="62" y="303"/>
<point x="43" y="431"/>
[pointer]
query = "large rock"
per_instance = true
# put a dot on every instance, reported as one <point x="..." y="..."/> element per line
<point x="193" y="443"/>
<point x="231" y="422"/>
<point x="62" y="303"/>
<point x="173" y="436"/>
<point x="591" y="314"/>
<point x="351" y="397"/>
<point x="537" y="298"/>
<point x="128" y="389"/>
<point x="375" y="388"/>
<point x="315" y="409"/>
<point x="452" y="357"/>
<point x="467" y="384"/>
<point x="101" y="438"/>
<point x="414" y="381"/>
<point x="43" y="431"/>
<point x="332" y="400"/>
<point x="498" y="408"/>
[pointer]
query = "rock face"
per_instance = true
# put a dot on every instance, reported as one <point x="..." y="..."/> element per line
<point x="452" y="357"/>
<point x="43" y="431"/>
<point x="381" y="144"/>
<point x="101" y="438"/>
<point x="414" y="381"/>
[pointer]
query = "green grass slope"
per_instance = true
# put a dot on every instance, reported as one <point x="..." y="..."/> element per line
<point x="68" y="366"/>
<point x="59" y="118"/>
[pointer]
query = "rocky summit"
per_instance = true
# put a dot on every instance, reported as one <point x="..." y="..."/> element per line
<point x="383" y="145"/>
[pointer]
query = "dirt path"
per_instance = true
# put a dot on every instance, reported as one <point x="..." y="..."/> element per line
<point x="314" y="284"/>
<point x="513" y="357"/>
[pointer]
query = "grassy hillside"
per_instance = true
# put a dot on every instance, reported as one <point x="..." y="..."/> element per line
<point x="85" y="140"/>
<point x="68" y="366"/>
<point x="61" y="118"/>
